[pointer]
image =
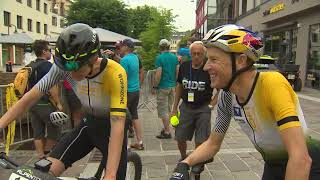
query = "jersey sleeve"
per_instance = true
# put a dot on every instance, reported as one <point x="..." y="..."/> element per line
<point x="50" y="79"/>
<point x="118" y="93"/>
<point x="224" y="112"/>
<point x="124" y="64"/>
<point x="282" y="102"/>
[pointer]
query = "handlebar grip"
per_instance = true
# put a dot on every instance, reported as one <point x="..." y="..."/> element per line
<point x="6" y="162"/>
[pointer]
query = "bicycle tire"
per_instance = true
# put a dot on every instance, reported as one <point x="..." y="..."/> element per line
<point x="135" y="159"/>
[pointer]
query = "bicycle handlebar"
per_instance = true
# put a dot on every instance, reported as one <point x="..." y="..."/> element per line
<point x="6" y="163"/>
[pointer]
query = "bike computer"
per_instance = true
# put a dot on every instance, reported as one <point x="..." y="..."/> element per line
<point x="43" y="165"/>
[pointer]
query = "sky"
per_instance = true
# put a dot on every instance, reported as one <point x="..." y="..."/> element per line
<point x="184" y="9"/>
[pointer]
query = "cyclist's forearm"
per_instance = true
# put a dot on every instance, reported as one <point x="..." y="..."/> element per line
<point x="20" y="107"/>
<point x="205" y="151"/>
<point x="115" y="145"/>
<point x="298" y="169"/>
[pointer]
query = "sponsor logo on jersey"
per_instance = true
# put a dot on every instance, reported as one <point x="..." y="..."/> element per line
<point x="121" y="88"/>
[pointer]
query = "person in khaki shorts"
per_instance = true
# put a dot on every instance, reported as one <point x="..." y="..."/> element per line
<point x="193" y="87"/>
<point x="165" y="82"/>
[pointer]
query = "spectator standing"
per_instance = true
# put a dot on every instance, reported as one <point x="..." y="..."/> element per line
<point x="193" y="87"/>
<point x="165" y="81"/>
<point x="130" y="62"/>
<point x="41" y="110"/>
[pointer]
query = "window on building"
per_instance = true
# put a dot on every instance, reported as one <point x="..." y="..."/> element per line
<point x="38" y="5"/>
<point x="20" y="1"/>
<point x="45" y="29"/>
<point x="29" y="3"/>
<point x="62" y="23"/>
<point x="29" y="25"/>
<point x="19" y="22"/>
<point x="244" y="6"/>
<point x="45" y="8"/>
<point x="314" y="37"/>
<point x="54" y="21"/>
<point x="6" y="18"/>
<point x="38" y="27"/>
<point x="62" y="10"/>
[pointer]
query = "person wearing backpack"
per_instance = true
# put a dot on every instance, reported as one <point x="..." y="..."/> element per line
<point x="40" y="112"/>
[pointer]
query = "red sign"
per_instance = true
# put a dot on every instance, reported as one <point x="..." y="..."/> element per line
<point x="201" y="15"/>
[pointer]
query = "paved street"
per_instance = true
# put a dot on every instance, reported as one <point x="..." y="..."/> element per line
<point x="237" y="160"/>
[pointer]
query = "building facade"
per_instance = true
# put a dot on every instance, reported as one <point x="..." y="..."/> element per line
<point x="291" y="31"/>
<point x="212" y="13"/>
<point x="39" y="19"/>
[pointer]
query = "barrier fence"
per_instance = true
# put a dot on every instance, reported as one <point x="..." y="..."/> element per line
<point x="22" y="131"/>
<point x="147" y="99"/>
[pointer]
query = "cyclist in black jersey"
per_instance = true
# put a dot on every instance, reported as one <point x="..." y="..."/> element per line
<point x="101" y="86"/>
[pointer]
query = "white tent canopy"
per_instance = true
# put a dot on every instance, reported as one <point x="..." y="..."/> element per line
<point x="105" y="36"/>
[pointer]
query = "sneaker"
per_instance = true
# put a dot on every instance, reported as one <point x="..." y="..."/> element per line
<point x="137" y="146"/>
<point x="198" y="168"/>
<point x="164" y="135"/>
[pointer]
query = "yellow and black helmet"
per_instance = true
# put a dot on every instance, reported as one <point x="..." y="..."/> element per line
<point x="75" y="46"/>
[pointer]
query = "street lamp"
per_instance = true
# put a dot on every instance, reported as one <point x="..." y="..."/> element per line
<point x="15" y="28"/>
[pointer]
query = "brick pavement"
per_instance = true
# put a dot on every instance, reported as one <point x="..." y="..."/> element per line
<point x="237" y="159"/>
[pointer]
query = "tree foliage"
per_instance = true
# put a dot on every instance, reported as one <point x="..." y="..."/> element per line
<point x="138" y="19"/>
<point x="160" y="27"/>
<point x="107" y="14"/>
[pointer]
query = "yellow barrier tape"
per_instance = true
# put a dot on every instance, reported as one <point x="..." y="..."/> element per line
<point x="11" y="99"/>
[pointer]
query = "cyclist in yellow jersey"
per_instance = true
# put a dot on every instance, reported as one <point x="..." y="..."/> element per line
<point x="262" y="103"/>
<point x="101" y="86"/>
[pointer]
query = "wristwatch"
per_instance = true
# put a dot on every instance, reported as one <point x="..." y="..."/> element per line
<point x="154" y="87"/>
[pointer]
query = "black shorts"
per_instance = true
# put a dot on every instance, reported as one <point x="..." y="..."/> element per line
<point x="277" y="170"/>
<point x="133" y="102"/>
<point x="90" y="134"/>
<point x="72" y="100"/>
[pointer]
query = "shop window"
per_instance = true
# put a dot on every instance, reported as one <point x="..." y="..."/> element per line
<point x="313" y="63"/>
<point x="19" y="22"/>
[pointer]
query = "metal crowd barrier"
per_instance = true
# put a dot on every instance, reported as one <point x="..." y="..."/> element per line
<point x="23" y="124"/>
<point x="147" y="99"/>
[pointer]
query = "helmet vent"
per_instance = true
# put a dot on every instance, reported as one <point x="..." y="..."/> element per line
<point x="228" y="37"/>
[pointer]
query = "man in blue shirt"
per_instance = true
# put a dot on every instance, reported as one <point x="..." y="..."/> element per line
<point x="165" y="83"/>
<point x="130" y="62"/>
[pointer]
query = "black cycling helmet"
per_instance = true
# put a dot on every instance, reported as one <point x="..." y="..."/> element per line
<point x="75" y="46"/>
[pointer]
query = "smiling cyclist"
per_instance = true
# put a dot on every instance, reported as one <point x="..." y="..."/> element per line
<point x="263" y="104"/>
<point x="101" y="86"/>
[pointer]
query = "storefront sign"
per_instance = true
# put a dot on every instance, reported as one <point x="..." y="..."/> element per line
<point x="274" y="9"/>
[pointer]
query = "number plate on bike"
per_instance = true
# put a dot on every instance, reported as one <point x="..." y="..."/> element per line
<point x="16" y="176"/>
<point x="291" y="76"/>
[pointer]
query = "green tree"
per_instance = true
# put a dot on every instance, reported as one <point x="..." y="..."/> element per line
<point x="107" y="14"/>
<point x="139" y="18"/>
<point x="160" y="27"/>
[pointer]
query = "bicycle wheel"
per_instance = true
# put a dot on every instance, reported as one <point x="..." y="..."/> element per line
<point x="134" y="168"/>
